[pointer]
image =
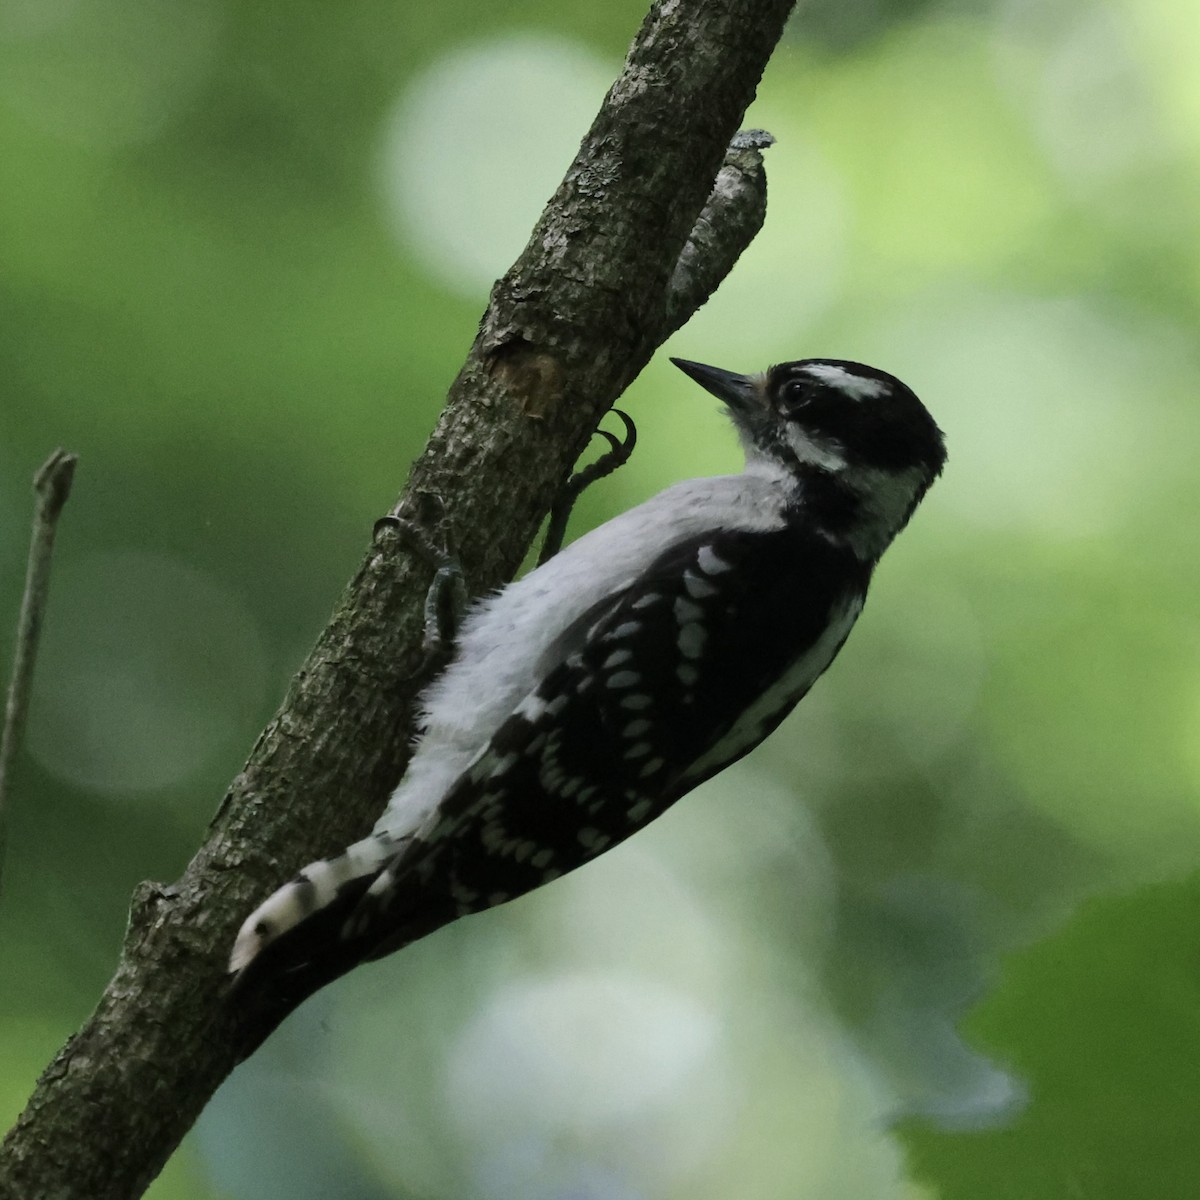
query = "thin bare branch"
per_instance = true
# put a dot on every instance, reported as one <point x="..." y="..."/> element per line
<point x="51" y="487"/>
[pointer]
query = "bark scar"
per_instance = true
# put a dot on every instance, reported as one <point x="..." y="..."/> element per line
<point x="533" y="376"/>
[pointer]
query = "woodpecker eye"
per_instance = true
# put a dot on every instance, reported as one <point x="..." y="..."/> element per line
<point x="797" y="393"/>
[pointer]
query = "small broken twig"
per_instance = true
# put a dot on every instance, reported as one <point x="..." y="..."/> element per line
<point x="51" y="487"/>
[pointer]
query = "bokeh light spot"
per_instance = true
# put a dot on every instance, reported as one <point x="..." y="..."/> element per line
<point x="579" y="1049"/>
<point x="608" y="1077"/>
<point x="477" y="144"/>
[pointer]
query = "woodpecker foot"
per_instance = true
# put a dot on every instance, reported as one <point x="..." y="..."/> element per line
<point x="616" y="456"/>
<point x="446" y="599"/>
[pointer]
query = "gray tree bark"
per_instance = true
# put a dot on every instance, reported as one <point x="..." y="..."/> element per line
<point x="634" y="240"/>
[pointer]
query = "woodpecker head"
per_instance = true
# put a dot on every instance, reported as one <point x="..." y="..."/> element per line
<point x="830" y="421"/>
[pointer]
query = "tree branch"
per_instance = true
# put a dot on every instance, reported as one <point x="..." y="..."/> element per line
<point x="605" y="277"/>
<point x="51" y="487"/>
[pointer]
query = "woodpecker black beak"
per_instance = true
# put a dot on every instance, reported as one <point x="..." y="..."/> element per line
<point x="738" y="391"/>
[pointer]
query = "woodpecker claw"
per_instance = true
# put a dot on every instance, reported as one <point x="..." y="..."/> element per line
<point x="611" y="438"/>
<point x="446" y="599"/>
<point x="618" y="454"/>
<point x="445" y="603"/>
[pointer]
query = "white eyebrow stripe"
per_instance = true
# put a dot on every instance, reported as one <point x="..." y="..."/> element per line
<point x="857" y="387"/>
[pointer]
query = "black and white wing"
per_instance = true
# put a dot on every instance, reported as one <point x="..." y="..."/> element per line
<point x="651" y="693"/>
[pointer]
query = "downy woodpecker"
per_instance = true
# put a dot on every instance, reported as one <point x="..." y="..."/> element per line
<point x="654" y="651"/>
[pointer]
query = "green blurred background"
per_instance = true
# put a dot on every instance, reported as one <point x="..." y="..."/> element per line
<point x="243" y="250"/>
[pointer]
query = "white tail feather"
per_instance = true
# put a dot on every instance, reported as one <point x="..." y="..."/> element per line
<point x="315" y="887"/>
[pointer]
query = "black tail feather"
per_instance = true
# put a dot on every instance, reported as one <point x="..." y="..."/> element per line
<point x="320" y="949"/>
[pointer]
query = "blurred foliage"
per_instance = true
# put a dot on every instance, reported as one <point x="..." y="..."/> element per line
<point x="1103" y="1019"/>
<point x="242" y="252"/>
